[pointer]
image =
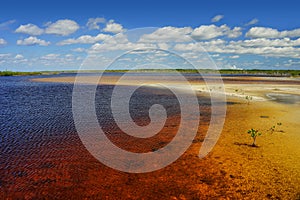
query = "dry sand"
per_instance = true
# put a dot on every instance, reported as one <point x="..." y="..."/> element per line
<point x="233" y="170"/>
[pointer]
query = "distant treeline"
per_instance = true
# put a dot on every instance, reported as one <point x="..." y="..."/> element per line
<point x="285" y="73"/>
<point x="262" y="72"/>
<point x="10" y="73"/>
<point x="221" y="71"/>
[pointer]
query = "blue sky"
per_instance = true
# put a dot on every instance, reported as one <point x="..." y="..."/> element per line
<point x="59" y="35"/>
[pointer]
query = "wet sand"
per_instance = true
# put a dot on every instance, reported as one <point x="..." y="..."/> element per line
<point x="233" y="170"/>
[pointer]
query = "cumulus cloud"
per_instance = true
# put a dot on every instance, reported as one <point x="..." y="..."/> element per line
<point x="262" y="32"/>
<point x="29" y="29"/>
<point x="79" y="50"/>
<point x="2" y="41"/>
<point x="253" y="21"/>
<point x="50" y="56"/>
<point x="112" y="27"/>
<point x="32" y="41"/>
<point x="163" y="46"/>
<point x="19" y="56"/>
<point x="207" y="32"/>
<point x="217" y="18"/>
<point x="215" y="39"/>
<point x="245" y="47"/>
<point x="234" y="33"/>
<point x="62" y="27"/>
<point x="266" y="32"/>
<point x="168" y="34"/>
<point x="265" y="42"/>
<point x="93" y="23"/>
<point x="85" y="39"/>
<point x="119" y="42"/>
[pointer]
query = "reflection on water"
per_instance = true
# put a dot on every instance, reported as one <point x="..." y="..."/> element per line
<point x="284" y="98"/>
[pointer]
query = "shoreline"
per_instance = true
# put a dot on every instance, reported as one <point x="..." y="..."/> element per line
<point x="239" y="87"/>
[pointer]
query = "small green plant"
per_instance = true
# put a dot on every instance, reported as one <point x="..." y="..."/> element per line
<point x="253" y="134"/>
<point x="273" y="128"/>
<point x="248" y="98"/>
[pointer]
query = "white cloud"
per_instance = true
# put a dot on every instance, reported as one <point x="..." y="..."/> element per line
<point x="32" y="41"/>
<point x="19" y="56"/>
<point x="62" y="27"/>
<point x="253" y="21"/>
<point x="2" y="41"/>
<point x="29" y="29"/>
<point x="190" y="55"/>
<point x="235" y="32"/>
<point x="262" y="32"/>
<point x="265" y="42"/>
<point x="234" y="67"/>
<point x="93" y="23"/>
<point x="113" y="27"/>
<point x="5" y="25"/>
<point x="241" y="47"/>
<point x="168" y="34"/>
<point x="79" y="50"/>
<point x="234" y="56"/>
<point x="85" y="39"/>
<point x="50" y="56"/>
<point x="119" y="43"/>
<point x="163" y="46"/>
<point x="4" y="55"/>
<point x="265" y="32"/>
<point x="206" y="32"/>
<point x="217" y="18"/>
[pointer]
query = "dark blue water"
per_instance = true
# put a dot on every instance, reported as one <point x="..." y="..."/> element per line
<point x="31" y="116"/>
<point x="40" y="150"/>
<point x="35" y="111"/>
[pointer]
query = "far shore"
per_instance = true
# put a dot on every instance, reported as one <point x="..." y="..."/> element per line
<point x="255" y="72"/>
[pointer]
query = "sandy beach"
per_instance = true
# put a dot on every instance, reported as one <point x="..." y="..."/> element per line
<point x="233" y="170"/>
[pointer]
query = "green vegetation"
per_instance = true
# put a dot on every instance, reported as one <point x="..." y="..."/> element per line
<point x="10" y="73"/>
<point x="279" y="73"/>
<point x="274" y="128"/>
<point x="248" y="98"/>
<point x="253" y="134"/>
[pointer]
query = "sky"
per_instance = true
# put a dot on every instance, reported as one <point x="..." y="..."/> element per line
<point x="64" y="35"/>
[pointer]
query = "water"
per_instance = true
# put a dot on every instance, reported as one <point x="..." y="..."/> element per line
<point x="32" y="115"/>
<point x="41" y="155"/>
<point x="284" y="98"/>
